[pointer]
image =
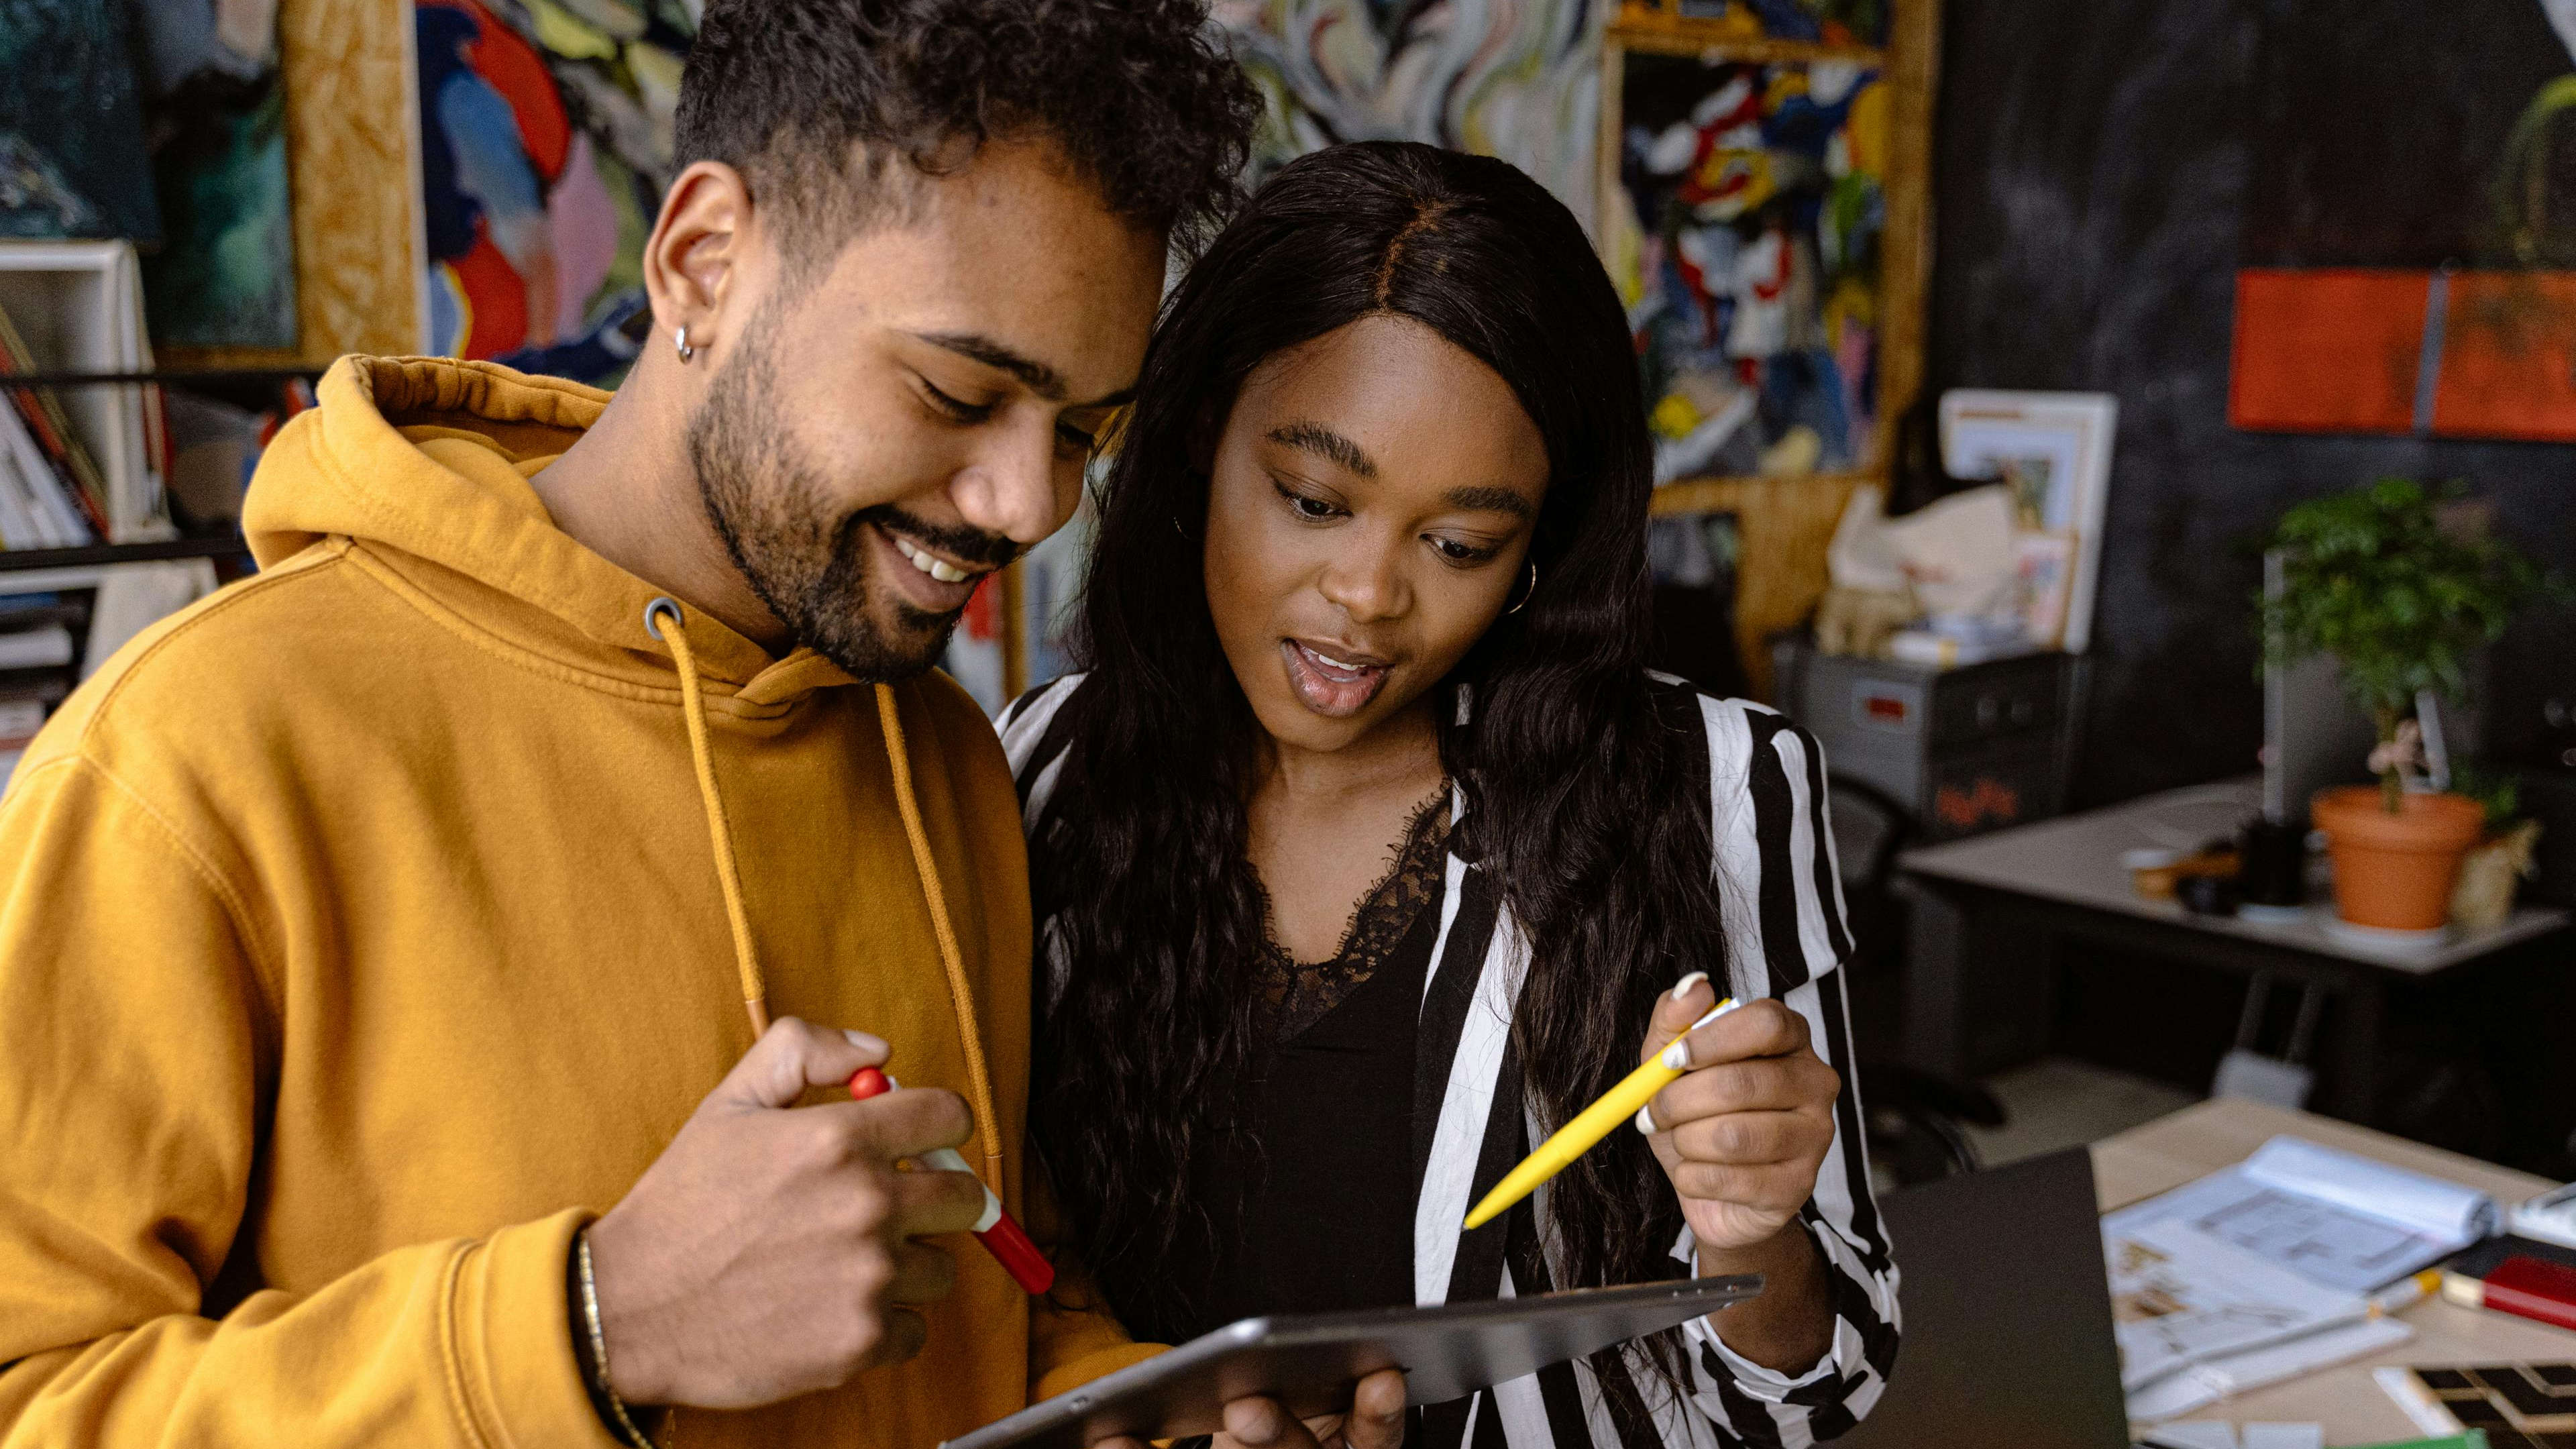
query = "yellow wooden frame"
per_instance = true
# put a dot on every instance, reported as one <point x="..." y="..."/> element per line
<point x="1785" y="524"/>
<point x="353" y="182"/>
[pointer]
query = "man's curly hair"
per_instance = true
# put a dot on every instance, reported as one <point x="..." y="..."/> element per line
<point x="812" y="99"/>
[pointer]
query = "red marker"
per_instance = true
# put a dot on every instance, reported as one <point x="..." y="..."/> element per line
<point x="1003" y="1238"/>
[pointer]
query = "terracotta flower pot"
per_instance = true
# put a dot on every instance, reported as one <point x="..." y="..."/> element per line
<point x="2395" y="872"/>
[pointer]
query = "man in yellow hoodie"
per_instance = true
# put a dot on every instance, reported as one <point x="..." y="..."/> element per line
<point x="389" y="944"/>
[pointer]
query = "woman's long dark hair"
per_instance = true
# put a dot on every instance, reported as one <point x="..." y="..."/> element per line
<point x="1580" y="803"/>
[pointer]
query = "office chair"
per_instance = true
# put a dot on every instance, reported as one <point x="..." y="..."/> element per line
<point x="1913" y="1119"/>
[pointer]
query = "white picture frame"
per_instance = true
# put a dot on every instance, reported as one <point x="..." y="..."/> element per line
<point x="2060" y="446"/>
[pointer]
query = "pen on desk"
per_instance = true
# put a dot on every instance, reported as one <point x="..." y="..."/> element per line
<point x="1000" y="1235"/>
<point x="2405" y="1292"/>
<point x="1593" y="1123"/>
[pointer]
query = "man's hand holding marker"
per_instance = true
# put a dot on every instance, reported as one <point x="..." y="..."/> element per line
<point x="1001" y="1235"/>
<point x="772" y="1249"/>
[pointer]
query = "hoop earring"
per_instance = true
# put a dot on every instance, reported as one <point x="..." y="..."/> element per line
<point x="686" y="351"/>
<point x="1525" y="596"/>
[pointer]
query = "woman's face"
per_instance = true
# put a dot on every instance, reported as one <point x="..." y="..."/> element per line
<point x="1371" y="503"/>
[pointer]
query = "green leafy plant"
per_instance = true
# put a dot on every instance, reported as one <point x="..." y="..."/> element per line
<point x="2500" y="791"/>
<point x="2402" y="603"/>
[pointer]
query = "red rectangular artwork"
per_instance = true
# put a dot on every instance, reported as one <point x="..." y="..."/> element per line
<point x="2448" y="354"/>
<point x="2334" y="351"/>
<point x="2509" y="357"/>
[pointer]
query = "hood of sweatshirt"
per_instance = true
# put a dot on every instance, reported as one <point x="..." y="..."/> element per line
<point x="431" y="457"/>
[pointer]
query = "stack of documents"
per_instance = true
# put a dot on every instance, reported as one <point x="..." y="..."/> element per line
<point x="2259" y="1272"/>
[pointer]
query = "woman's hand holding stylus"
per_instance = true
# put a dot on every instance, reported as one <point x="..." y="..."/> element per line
<point x="1744" y="1131"/>
<point x="1742" y="1135"/>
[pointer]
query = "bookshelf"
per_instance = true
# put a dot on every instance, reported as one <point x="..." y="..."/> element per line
<point x="1785" y="520"/>
<point x="81" y="564"/>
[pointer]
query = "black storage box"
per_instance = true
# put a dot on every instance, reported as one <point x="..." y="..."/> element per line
<point x="1969" y="748"/>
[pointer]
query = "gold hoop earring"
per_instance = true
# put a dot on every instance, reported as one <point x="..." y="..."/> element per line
<point x="1525" y="596"/>
<point x="682" y="342"/>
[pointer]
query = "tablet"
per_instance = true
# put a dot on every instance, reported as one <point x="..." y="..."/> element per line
<point x="1310" y="1362"/>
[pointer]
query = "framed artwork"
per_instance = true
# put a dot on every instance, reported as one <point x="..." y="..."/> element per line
<point x="1758" y="197"/>
<point x="350" y="188"/>
<point x="73" y="159"/>
<point x="1764" y="174"/>
<point x="2052" y="451"/>
<point x="215" y="108"/>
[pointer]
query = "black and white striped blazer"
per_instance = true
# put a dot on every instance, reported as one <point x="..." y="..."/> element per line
<point x="1783" y="913"/>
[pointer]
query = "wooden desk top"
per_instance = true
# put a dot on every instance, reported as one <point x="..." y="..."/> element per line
<point x="2201" y="1139"/>
<point x="2075" y="859"/>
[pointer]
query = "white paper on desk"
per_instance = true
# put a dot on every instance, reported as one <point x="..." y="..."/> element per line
<point x="2206" y="1383"/>
<point x="2334" y="1218"/>
<point x="2180" y="1296"/>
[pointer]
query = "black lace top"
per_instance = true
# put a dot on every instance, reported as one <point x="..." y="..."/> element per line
<point x="1317" y="1168"/>
<point x="1293" y="995"/>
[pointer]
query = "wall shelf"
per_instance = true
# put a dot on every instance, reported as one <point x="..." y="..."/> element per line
<point x="180" y="377"/>
<point x="20" y="560"/>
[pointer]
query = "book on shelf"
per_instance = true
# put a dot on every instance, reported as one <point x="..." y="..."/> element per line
<point x="48" y="647"/>
<point x="40" y="411"/>
<point x="27" y="699"/>
<point x="57" y="522"/>
<point x="77" y="306"/>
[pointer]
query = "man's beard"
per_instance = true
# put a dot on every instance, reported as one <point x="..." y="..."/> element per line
<point x="809" y="567"/>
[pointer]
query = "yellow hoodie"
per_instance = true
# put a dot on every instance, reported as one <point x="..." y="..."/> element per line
<point x="362" y="936"/>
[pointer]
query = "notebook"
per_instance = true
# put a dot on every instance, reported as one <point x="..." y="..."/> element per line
<point x="2337" y="1220"/>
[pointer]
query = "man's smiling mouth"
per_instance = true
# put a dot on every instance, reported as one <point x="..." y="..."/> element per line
<point x="930" y="563"/>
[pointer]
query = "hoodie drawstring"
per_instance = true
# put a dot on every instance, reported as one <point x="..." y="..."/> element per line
<point x="961" y="992"/>
<point x="746" y="958"/>
<point x="693" y="708"/>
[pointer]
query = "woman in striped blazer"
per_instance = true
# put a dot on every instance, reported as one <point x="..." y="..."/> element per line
<point x="1366" y="851"/>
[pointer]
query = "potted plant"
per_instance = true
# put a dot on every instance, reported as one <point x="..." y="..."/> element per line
<point x="2373" y="578"/>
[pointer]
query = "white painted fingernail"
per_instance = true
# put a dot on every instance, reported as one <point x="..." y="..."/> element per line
<point x="1646" y="1120"/>
<point x="1682" y="987"/>
<point x="865" y="1042"/>
<point x="1677" y="1056"/>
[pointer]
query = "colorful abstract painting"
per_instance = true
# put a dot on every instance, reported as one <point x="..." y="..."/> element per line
<point x="1757" y="196"/>
<point x="545" y="146"/>
<point x="72" y="156"/>
<point x="1519" y="79"/>
<point x="224" y="275"/>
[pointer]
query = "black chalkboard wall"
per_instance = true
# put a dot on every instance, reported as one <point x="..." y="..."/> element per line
<point x="2103" y="169"/>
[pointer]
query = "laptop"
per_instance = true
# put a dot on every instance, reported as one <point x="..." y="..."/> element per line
<point x="2007" y="1341"/>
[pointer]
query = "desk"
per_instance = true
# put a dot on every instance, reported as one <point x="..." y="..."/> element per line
<point x="2170" y="1151"/>
<point x="1991" y="904"/>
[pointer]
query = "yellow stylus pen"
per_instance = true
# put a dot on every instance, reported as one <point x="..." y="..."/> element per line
<point x="1592" y="1124"/>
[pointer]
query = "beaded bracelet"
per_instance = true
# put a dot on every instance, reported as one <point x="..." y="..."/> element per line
<point x="595" y="1364"/>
